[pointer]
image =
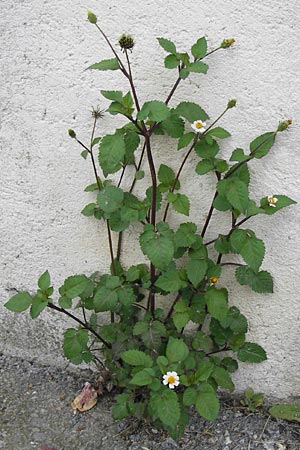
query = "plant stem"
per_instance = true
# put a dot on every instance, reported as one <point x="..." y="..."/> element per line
<point x="85" y="326"/>
<point x="209" y="215"/>
<point x="177" y="298"/>
<point x="130" y="78"/>
<point x="138" y="166"/>
<point x="114" y="52"/>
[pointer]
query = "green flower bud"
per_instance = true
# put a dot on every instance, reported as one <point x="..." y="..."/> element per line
<point x="227" y="43"/>
<point x="284" y="125"/>
<point x="231" y="103"/>
<point x="91" y="17"/>
<point x="126" y="42"/>
<point x="72" y="133"/>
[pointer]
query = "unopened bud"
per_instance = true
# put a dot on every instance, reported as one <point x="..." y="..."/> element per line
<point x="227" y="43"/>
<point x="284" y="125"/>
<point x="92" y="17"/>
<point x="126" y="42"/>
<point x="72" y="133"/>
<point x="231" y="103"/>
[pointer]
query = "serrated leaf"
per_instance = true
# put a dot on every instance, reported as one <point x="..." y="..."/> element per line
<point x="171" y="62"/>
<point x="238" y="155"/>
<point x="44" y="281"/>
<point x="185" y="140"/>
<point x="170" y="281"/>
<point x="75" y="345"/>
<point x="282" y="202"/>
<point x="180" y="319"/>
<point x="253" y="252"/>
<point x="174" y="126"/>
<point x="204" y="166"/>
<point x="155" y="110"/>
<point x="199" y="49"/>
<point x="252" y="353"/>
<point x="106" y="64"/>
<point x="158" y="246"/>
<point x="166" y="407"/>
<point x="110" y="199"/>
<point x="143" y="378"/>
<point x="185" y="235"/>
<point x="181" y="203"/>
<point x="223" y="378"/>
<point x="221" y="203"/>
<point x="206" y="149"/>
<point x="261" y="145"/>
<point x="74" y="286"/>
<point x="189" y="396"/>
<point x="235" y="191"/>
<point x="136" y="358"/>
<point x="176" y="350"/>
<point x="89" y="210"/>
<point x="39" y="303"/>
<point x="115" y="96"/>
<point x="204" y="371"/>
<point x="191" y="111"/>
<point x="207" y="403"/>
<point x="167" y="45"/>
<point x="19" y="302"/>
<point x="111" y="153"/>
<point x="166" y="175"/>
<point x="219" y="132"/>
<point x="196" y="270"/>
<point x="105" y="299"/>
<point x="217" y="303"/>
<point x="261" y="282"/>
<point x="198" y="67"/>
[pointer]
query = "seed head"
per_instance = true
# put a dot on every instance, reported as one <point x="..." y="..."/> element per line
<point x="226" y="43"/>
<point x="97" y="113"/>
<point x="284" y="125"/>
<point x="231" y="103"/>
<point x="126" y="42"/>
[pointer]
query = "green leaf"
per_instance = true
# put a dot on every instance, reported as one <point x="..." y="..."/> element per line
<point x="106" y="64"/>
<point x="221" y="203"/>
<point x="238" y="155"/>
<point x="115" y="96"/>
<point x="143" y="378"/>
<point x="207" y="149"/>
<point x="222" y="377"/>
<point x="235" y="191"/>
<point x="180" y="319"/>
<point x="158" y="246"/>
<point x="105" y="299"/>
<point x="261" y="145"/>
<point x="181" y="204"/>
<point x="174" y="126"/>
<point x="218" y="132"/>
<point x="185" y="140"/>
<point x="222" y="244"/>
<point x="110" y="199"/>
<point x="217" y="302"/>
<point x="44" y="281"/>
<point x="189" y="396"/>
<point x="166" y="175"/>
<point x="167" y="45"/>
<point x="198" y="67"/>
<point x="286" y="412"/>
<point x="196" y="270"/>
<point x="230" y="364"/>
<point x="91" y="187"/>
<point x="185" y="235"/>
<point x="252" y="353"/>
<point x="166" y="407"/>
<point x="111" y="153"/>
<point x="251" y="248"/>
<point x="39" y="303"/>
<point x="136" y="358"/>
<point x="204" y="166"/>
<point x="204" y="371"/>
<point x="236" y="321"/>
<point x="261" y="282"/>
<point x="202" y="342"/>
<point x="191" y="111"/>
<point x="177" y="350"/>
<point x="19" y="302"/>
<point x="170" y="281"/>
<point x="65" y="302"/>
<point x="155" y="110"/>
<point x="74" y="286"/>
<point x="199" y="49"/>
<point x="84" y="154"/>
<point x="75" y="345"/>
<point x="184" y="73"/>
<point x="207" y="404"/>
<point x="171" y="62"/>
<point x="282" y="202"/>
<point x="89" y="210"/>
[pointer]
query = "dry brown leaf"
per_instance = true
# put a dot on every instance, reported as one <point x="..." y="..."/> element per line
<point x="86" y="400"/>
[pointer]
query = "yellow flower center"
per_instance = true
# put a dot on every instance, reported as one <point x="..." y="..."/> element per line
<point x="214" y="279"/>
<point x="199" y="125"/>
<point x="171" y="379"/>
<point x="272" y="200"/>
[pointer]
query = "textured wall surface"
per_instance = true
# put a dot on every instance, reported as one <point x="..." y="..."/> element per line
<point x="44" y="91"/>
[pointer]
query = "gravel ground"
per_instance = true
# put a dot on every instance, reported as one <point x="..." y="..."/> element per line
<point x="36" y="414"/>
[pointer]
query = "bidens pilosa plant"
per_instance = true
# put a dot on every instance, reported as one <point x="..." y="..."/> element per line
<point x="162" y="364"/>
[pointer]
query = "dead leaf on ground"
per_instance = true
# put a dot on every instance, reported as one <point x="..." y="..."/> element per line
<point x="86" y="400"/>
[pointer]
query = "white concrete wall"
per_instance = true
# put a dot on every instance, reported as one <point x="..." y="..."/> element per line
<point x="44" y="91"/>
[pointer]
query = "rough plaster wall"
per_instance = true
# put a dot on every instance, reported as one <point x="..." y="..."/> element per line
<point x="44" y="91"/>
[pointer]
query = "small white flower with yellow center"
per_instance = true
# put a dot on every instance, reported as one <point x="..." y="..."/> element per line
<point x="172" y="379"/>
<point x="272" y="201"/>
<point x="199" y="126"/>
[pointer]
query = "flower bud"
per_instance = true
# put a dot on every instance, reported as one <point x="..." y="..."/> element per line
<point x="231" y="103"/>
<point x="126" y="41"/>
<point x="284" y="125"/>
<point x="91" y="17"/>
<point x="72" y="133"/>
<point x="227" y="43"/>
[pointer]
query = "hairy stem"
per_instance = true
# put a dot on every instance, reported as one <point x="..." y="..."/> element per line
<point x="85" y="326"/>
<point x="114" y="51"/>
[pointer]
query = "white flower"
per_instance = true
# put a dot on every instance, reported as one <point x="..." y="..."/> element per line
<point x="272" y="200"/>
<point x="172" y="379"/>
<point x="198" y="126"/>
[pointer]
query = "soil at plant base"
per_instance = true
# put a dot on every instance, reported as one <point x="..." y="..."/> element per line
<point x="36" y="413"/>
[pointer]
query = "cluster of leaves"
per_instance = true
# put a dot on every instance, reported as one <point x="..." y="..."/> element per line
<point x="252" y="400"/>
<point x="143" y="342"/>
